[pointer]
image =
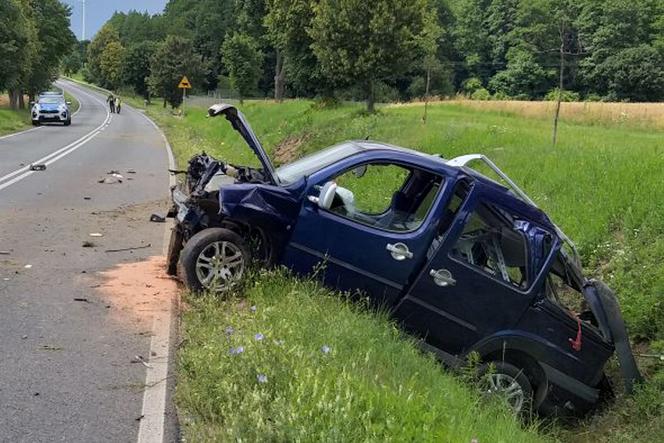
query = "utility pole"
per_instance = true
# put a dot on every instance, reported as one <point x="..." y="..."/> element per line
<point x="83" y="20"/>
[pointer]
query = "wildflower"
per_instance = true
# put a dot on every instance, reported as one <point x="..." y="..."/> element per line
<point x="262" y="378"/>
<point x="279" y="342"/>
<point x="325" y="349"/>
<point x="259" y="337"/>
<point x="253" y="308"/>
<point x="229" y="330"/>
<point x="236" y="351"/>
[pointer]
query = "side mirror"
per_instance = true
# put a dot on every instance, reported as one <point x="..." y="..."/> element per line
<point x="360" y="171"/>
<point x="326" y="196"/>
<point x="32" y="103"/>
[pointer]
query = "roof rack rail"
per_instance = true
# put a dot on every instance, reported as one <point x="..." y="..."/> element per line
<point x="464" y="160"/>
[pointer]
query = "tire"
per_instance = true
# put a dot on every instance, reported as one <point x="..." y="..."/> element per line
<point x="68" y="122"/>
<point x="36" y="123"/>
<point x="199" y="262"/>
<point x="175" y="245"/>
<point x="504" y="379"/>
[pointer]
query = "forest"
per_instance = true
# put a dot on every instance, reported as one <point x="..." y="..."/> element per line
<point x="386" y="50"/>
<point x="391" y="50"/>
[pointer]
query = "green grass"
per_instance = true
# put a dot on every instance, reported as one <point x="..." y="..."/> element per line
<point x="602" y="184"/>
<point x="74" y="103"/>
<point x="13" y="121"/>
<point x="334" y="372"/>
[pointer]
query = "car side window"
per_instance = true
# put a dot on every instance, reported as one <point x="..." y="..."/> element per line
<point x="491" y="244"/>
<point x="385" y="196"/>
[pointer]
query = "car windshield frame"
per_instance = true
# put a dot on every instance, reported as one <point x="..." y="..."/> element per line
<point x="307" y="165"/>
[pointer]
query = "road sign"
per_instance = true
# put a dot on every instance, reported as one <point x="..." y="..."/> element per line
<point x="184" y="83"/>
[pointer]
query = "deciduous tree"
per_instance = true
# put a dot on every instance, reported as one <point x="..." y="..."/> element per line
<point x="174" y="58"/>
<point x="365" y="43"/>
<point x="243" y="60"/>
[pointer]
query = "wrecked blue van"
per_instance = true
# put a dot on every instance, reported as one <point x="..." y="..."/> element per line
<point x="465" y="263"/>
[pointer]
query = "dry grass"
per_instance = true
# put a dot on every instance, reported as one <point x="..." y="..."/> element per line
<point x="638" y="115"/>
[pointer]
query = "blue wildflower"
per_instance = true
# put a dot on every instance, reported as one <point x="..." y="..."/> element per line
<point x="236" y="351"/>
<point x="262" y="378"/>
<point x="259" y="337"/>
<point x="253" y="308"/>
<point x="229" y="330"/>
<point x="325" y="349"/>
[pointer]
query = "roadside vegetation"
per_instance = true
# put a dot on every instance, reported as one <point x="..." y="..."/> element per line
<point x="292" y="361"/>
<point x="12" y="120"/>
<point x="600" y="184"/>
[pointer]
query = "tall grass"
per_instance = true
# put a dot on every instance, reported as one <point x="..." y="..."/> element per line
<point x="12" y="120"/>
<point x="631" y="115"/>
<point x="291" y="361"/>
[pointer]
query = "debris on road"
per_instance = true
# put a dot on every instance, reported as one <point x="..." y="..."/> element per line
<point x="109" y="180"/>
<point x="51" y="348"/>
<point x="131" y="171"/>
<point x="88" y="244"/>
<point x="140" y="359"/>
<point x="27" y="266"/>
<point x="96" y="234"/>
<point x="156" y="218"/>
<point x="87" y="198"/>
<point x="37" y="167"/>
<point x="83" y="299"/>
<point x="131" y="248"/>
<point x="5" y="253"/>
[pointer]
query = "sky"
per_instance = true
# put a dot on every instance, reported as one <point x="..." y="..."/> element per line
<point x="98" y="11"/>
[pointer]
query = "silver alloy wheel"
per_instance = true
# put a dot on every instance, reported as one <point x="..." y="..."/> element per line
<point x="219" y="265"/>
<point x="507" y="388"/>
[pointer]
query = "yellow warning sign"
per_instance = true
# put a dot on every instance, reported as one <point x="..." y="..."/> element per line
<point x="184" y="83"/>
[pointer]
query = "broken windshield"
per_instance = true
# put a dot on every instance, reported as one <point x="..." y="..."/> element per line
<point x="293" y="172"/>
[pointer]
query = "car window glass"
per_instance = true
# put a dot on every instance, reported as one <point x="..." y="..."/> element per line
<point x="386" y="196"/>
<point x="490" y="244"/>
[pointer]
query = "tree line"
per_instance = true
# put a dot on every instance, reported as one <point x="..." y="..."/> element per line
<point x="34" y="37"/>
<point x="386" y="49"/>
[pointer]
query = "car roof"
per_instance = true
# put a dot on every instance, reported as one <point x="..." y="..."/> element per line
<point x="437" y="160"/>
<point x="439" y="164"/>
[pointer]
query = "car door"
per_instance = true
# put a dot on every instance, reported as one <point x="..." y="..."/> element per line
<point x="477" y="282"/>
<point x="375" y="235"/>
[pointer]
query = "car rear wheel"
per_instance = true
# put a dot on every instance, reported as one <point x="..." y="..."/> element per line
<point x="68" y="122"/>
<point x="214" y="260"/>
<point x="509" y="383"/>
<point x="35" y="123"/>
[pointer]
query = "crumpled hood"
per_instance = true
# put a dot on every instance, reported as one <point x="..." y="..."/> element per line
<point x="241" y="125"/>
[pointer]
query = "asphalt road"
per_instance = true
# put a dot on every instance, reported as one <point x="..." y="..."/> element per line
<point x="65" y="365"/>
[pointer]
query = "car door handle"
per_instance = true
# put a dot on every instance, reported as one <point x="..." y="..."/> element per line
<point x="399" y="251"/>
<point x="442" y="277"/>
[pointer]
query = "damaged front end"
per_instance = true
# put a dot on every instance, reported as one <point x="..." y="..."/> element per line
<point x="243" y="199"/>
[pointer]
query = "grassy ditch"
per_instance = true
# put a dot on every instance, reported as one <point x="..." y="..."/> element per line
<point x="601" y="184"/>
<point x="291" y="361"/>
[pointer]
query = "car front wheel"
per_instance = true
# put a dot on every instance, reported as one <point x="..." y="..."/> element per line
<point x="508" y="383"/>
<point x="214" y="260"/>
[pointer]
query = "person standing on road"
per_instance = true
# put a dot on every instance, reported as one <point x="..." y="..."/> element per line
<point x="111" y="102"/>
<point x="118" y="104"/>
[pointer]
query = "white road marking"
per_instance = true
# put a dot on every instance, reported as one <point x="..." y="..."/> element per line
<point x="151" y="429"/>
<point x="56" y="155"/>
